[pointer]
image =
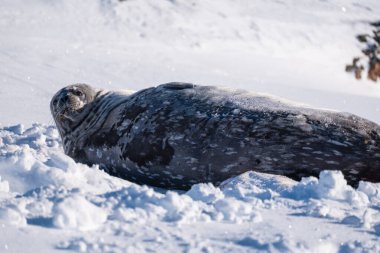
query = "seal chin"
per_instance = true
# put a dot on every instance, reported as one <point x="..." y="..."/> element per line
<point x="68" y="114"/>
<point x="67" y="107"/>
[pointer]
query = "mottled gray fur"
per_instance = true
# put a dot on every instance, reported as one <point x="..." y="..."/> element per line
<point x="177" y="134"/>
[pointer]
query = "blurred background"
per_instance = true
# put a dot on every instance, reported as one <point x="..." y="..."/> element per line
<point x="294" y="49"/>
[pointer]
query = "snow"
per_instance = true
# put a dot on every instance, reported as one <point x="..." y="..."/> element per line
<point x="44" y="188"/>
<point x="75" y="212"/>
<point x="292" y="49"/>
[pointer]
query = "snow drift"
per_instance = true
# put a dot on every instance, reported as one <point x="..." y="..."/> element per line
<point x="40" y="186"/>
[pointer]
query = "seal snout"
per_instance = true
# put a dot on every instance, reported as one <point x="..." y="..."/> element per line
<point x="68" y="101"/>
<point x="59" y="105"/>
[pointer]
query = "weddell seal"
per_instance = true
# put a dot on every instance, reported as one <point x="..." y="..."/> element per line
<point x="179" y="134"/>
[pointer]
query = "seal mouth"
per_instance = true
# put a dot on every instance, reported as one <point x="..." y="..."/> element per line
<point x="69" y="112"/>
<point x="63" y="114"/>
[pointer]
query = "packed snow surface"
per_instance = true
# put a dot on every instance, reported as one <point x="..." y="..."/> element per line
<point x="293" y="49"/>
<point x="43" y="190"/>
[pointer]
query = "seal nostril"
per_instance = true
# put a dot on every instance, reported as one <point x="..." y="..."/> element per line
<point x="65" y="98"/>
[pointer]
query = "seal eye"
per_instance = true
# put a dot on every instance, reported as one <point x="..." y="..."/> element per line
<point x="77" y="93"/>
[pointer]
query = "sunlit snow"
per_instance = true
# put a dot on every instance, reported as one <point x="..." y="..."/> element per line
<point x="292" y="49"/>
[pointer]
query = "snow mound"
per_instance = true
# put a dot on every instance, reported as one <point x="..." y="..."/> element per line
<point x="12" y="216"/>
<point x="42" y="187"/>
<point x="256" y="185"/>
<point x="31" y="158"/>
<point x="331" y="185"/>
<point x="75" y="212"/>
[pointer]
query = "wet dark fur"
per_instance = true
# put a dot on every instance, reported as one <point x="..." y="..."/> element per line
<point x="176" y="135"/>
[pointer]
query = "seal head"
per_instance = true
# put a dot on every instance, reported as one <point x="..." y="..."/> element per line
<point x="69" y="105"/>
